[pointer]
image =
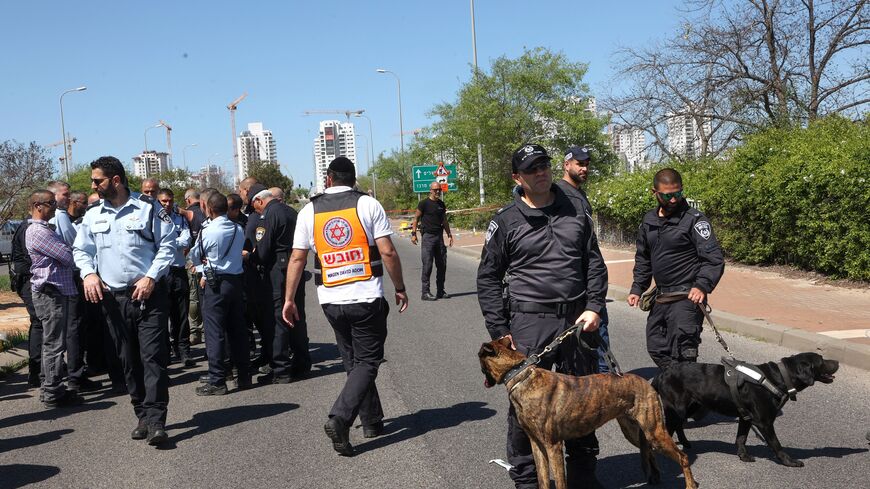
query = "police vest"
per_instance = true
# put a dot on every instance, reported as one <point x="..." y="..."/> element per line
<point x="343" y="254"/>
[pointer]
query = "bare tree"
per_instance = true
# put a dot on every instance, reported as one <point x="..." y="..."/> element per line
<point x="22" y="168"/>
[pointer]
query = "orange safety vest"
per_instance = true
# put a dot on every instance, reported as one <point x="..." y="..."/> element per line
<point x="343" y="254"/>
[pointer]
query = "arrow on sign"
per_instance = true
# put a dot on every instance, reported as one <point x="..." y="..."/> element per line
<point x="418" y="174"/>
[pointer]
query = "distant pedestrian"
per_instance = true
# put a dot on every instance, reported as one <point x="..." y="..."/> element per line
<point x="675" y="246"/>
<point x="431" y="215"/>
<point x="350" y="234"/>
<point x="54" y="295"/>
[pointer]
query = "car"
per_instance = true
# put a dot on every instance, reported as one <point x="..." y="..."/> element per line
<point x="6" y="233"/>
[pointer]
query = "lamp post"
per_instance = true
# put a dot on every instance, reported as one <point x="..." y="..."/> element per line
<point x="184" y="153"/>
<point x="146" y="135"/>
<point x="479" y="146"/>
<point x="371" y="152"/>
<point x="401" y="126"/>
<point x="63" y="129"/>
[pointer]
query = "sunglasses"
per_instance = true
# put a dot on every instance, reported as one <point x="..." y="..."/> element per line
<point x="434" y="189"/>
<point x="51" y="203"/>
<point x="666" y="197"/>
<point x="98" y="181"/>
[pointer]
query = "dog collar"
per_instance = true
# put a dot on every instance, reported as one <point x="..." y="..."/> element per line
<point x="516" y="369"/>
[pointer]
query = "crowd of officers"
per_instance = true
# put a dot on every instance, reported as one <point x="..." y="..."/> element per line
<point x="159" y="278"/>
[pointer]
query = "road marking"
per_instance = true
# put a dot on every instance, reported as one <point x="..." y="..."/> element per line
<point x="845" y="334"/>
<point x="471" y="246"/>
<point x="618" y="261"/>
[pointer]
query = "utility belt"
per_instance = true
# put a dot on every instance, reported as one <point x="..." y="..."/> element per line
<point x="557" y="308"/>
<point x="664" y="295"/>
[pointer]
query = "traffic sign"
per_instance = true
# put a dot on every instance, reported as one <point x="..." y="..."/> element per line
<point x="424" y="175"/>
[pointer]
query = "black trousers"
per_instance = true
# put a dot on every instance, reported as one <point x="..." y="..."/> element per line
<point x="141" y="337"/>
<point x="283" y="339"/>
<point x="673" y="332"/>
<point x="76" y="337"/>
<point x="178" y="287"/>
<point x="432" y="249"/>
<point x="531" y="333"/>
<point x="223" y="317"/>
<point x="360" y="332"/>
<point x="253" y="316"/>
<point x="34" y="338"/>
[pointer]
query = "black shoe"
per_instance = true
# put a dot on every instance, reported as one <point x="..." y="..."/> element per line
<point x="339" y="433"/>
<point x="373" y="430"/>
<point x="187" y="361"/>
<point x="85" y="385"/>
<point x="68" y="399"/>
<point x="442" y="295"/>
<point x="141" y="431"/>
<point x="33" y="380"/>
<point x="427" y="297"/>
<point x="211" y="390"/>
<point x="157" y="435"/>
<point x="244" y="382"/>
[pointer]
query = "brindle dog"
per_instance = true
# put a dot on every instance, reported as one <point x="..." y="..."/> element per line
<point x="553" y="407"/>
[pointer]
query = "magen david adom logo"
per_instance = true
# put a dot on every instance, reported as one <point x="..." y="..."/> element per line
<point x="337" y="232"/>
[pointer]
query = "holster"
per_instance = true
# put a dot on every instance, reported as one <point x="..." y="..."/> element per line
<point x="647" y="299"/>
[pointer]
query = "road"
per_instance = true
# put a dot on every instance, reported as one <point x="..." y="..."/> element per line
<point x="443" y="426"/>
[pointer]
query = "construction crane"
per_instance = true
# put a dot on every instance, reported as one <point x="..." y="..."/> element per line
<point x="69" y="143"/>
<point x="346" y="112"/>
<point x="168" y="141"/>
<point x="232" y="107"/>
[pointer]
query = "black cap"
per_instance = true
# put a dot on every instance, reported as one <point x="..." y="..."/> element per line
<point x="342" y="165"/>
<point x="528" y="156"/>
<point x="255" y="189"/>
<point x="577" y="153"/>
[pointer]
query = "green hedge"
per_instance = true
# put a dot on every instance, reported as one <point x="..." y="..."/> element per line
<point x="798" y="196"/>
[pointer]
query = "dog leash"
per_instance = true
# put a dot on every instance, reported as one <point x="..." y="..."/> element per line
<point x="577" y="330"/>
<point x="706" y="309"/>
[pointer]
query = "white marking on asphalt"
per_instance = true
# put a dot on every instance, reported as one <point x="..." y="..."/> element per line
<point x="608" y="262"/>
<point x="845" y="334"/>
<point x="471" y="246"/>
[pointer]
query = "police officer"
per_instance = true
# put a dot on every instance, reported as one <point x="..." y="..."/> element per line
<point x="254" y="316"/>
<point x="125" y="247"/>
<point x="177" y="281"/>
<point x="218" y="250"/>
<point x="350" y="233"/>
<point x="544" y="242"/>
<point x="273" y="242"/>
<point x="195" y="219"/>
<point x="575" y="171"/>
<point x="677" y="247"/>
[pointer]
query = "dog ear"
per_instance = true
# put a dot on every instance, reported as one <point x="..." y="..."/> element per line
<point x="801" y="369"/>
<point x="487" y="350"/>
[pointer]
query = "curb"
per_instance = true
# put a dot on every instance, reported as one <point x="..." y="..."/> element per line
<point x="853" y="354"/>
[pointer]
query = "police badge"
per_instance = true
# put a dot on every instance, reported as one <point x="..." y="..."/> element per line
<point x="260" y="232"/>
<point x="703" y="229"/>
<point x="493" y="227"/>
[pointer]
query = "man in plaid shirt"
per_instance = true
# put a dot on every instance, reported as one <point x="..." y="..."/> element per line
<point x="54" y="293"/>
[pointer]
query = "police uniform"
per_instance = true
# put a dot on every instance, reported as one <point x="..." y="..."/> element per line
<point x="124" y="245"/>
<point x="341" y="226"/>
<point x="274" y="239"/>
<point x="556" y="272"/>
<point x="219" y="248"/>
<point x="580" y="195"/>
<point x="178" y="286"/>
<point x="681" y="252"/>
<point x="253" y="313"/>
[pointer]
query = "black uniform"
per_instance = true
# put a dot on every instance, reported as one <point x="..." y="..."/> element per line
<point x="580" y="195"/>
<point x="21" y="283"/>
<point x="273" y="244"/>
<point x="253" y="313"/>
<point x="432" y="248"/>
<point x="556" y="271"/>
<point x="681" y="252"/>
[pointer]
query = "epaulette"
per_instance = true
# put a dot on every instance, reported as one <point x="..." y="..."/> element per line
<point x="512" y="204"/>
<point x="93" y="204"/>
<point x="146" y="198"/>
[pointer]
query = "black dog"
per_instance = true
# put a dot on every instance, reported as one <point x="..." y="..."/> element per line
<point x="687" y="388"/>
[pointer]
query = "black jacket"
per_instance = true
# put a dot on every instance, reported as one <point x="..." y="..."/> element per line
<point x="551" y="256"/>
<point x="273" y="240"/>
<point x="678" y="250"/>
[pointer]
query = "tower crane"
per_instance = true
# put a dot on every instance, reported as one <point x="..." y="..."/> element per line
<point x="346" y="112"/>
<point x="168" y="140"/>
<point x="232" y="107"/>
<point x="69" y="143"/>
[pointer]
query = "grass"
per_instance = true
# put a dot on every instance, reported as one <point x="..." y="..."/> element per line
<point x="10" y="339"/>
<point x="4" y="282"/>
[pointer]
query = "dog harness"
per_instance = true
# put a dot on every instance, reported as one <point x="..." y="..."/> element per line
<point x="738" y="372"/>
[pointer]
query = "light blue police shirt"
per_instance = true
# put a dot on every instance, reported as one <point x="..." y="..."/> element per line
<point x="63" y="226"/>
<point x="183" y="240"/>
<point x="221" y="243"/>
<point x="133" y="241"/>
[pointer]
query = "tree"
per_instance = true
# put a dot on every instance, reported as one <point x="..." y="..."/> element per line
<point x="269" y="174"/>
<point x="23" y="168"/>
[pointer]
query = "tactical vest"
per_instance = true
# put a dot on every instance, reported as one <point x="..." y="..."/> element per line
<point x="343" y="252"/>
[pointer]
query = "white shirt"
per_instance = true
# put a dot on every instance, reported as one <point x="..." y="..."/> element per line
<point x="374" y="221"/>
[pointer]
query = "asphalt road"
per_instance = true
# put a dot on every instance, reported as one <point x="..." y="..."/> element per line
<point x="443" y="426"/>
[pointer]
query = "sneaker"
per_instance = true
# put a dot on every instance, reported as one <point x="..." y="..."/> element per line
<point x="211" y="390"/>
<point x="339" y="433"/>
<point x="141" y="431"/>
<point x="442" y="295"/>
<point x="373" y="430"/>
<point x="427" y="297"/>
<point x="244" y="382"/>
<point x="68" y="399"/>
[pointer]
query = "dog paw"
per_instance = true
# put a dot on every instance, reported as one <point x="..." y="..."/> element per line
<point x="747" y="458"/>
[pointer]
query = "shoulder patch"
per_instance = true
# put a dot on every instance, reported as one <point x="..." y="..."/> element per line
<point x="164" y="216"/>
<point x="490" y="230"/>
<point x="145" y="198"/>
<point x="94" y="204"/>
<point x="703" y="229"/>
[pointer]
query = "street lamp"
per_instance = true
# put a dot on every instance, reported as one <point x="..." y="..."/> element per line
<point x="371" y="152"/>
<point x="146" y="135"/>
<point x="63" y="128"/>
<point x="184" y="153"/>
<point x="401" y="128"/>
<point x="476" y="75"/>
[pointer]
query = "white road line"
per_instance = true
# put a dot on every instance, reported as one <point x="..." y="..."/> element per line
<point x="618" y="261"/>
<point x="846" y="334"/>
<point x="471" y="246"/>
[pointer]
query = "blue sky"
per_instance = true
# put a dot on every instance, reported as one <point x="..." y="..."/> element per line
<point x="184" y="61"/>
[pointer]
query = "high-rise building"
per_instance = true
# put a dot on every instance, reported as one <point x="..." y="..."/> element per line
<point x="255" y="145"/>
<point x="629" y="144"/>
<point x="210" y="176"/>
<point x="150" y="163"/>
<point x="684" y="138"/>
<point x="335" y="139"/>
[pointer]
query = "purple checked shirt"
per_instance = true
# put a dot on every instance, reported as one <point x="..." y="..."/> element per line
<point x="52" y="258"/>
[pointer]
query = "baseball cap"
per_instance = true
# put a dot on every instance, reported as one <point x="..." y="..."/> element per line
<point x="577" y="153"/>
<point x="529" y="156"/>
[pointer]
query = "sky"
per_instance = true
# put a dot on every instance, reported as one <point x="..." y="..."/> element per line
<point x="184" y="61"/>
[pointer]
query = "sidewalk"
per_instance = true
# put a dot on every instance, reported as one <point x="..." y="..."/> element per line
<point x="795" y="313"/>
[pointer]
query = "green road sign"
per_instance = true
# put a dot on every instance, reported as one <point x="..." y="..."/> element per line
<point x="424" y="175"/>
